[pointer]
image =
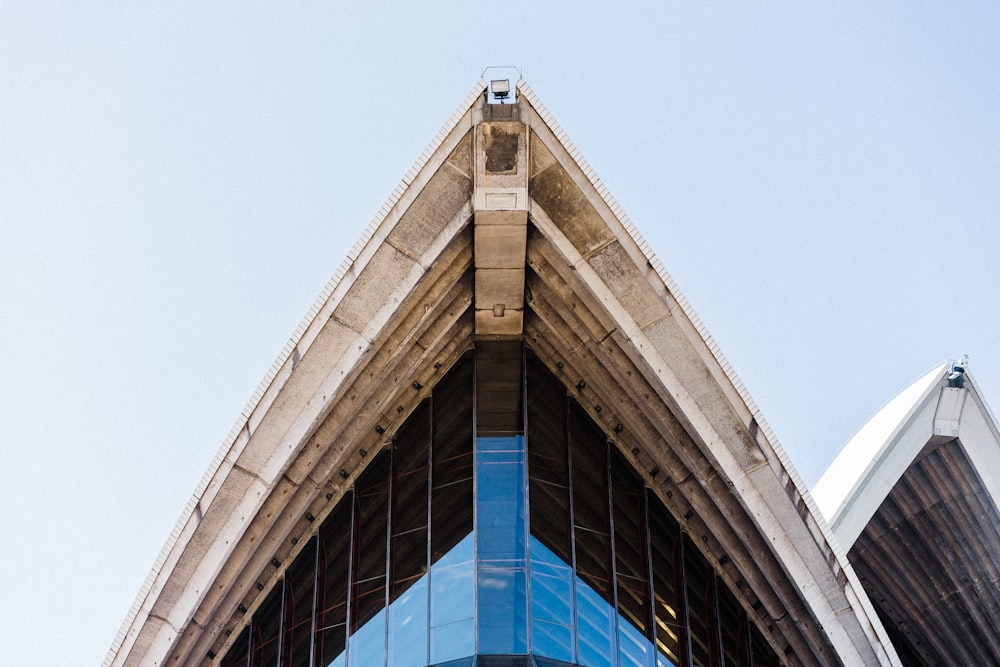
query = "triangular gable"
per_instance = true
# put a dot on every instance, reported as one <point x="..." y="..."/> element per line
<point x="596" y="306"/>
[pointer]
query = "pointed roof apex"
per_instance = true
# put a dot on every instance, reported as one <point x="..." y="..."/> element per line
<point x="500" y="229"/>
<point x="943" y="404"/>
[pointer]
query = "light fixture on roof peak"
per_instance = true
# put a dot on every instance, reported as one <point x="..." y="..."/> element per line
<point x="957" y="376"/>
<point x="500" y="89"/>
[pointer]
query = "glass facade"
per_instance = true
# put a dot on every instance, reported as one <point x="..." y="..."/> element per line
<point x="501" y="527"/>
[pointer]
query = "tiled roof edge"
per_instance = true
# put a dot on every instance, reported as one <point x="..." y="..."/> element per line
<point x="818" y="522"/>
<point x="474" y="94"/>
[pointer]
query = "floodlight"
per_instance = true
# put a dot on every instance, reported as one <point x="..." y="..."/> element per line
<point x="500" y="88"/>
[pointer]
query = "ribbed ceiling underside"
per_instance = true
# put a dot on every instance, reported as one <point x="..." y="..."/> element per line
<point x="930" y="560"/>
<point x="400" y="317"/>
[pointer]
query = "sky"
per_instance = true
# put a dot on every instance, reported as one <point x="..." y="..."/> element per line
<point x="179" y="180"/>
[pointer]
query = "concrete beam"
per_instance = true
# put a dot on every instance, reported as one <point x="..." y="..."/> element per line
<point x="500" y="175"/>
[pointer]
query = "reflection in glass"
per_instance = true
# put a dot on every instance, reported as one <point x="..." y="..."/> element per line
<point x="701" y="608"/>
<point x="503" y="542"/>
<point x="408" y="627"/>
<point x="502" y="610"/>
<point x="453" y="604"/>
<point x="551" y="604"/>
<point x="595" y="620"/>
<point x="500" y="543"/>
<point x="668" y="586"/>
<point x="631" y="564"/>
<point x="500" y="501"/>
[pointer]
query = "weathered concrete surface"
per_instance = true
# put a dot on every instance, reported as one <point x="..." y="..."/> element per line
<point x="500" y="168"/>
<point x="502" y="231"/>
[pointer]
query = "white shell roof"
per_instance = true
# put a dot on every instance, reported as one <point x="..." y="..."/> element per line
<point x="863" y="451"/>
<point x="861" y="476"/>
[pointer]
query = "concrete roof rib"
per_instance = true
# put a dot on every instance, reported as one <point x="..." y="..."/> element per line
<point x="401" y="306"/>
<point x="820" y="527"/>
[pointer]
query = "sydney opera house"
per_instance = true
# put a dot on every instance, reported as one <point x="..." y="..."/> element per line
<point x="502" y="437"/>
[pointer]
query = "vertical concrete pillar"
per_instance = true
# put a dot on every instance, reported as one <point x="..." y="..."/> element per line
<point x="500" y="227"/>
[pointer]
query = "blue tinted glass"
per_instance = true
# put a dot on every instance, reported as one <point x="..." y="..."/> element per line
<point x="366" y="647"/>
<point x="551" y="593"/>
<point x="513" y="443"/>
<point x="634" y="650"/>
<point x="452" y="585"/>
<point x="596" y="627"/>
<point x="552" y="640"/>
<point x="500" y="499"/>
<point x="502" y="611"/>
<point x="408" y="627"/>
<point x="452" y="641"/>
<point x="667" y="661"/>
<point x="551" y="586"/>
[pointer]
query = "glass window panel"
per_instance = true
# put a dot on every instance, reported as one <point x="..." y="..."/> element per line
<point x="634" y="649"/>
<point x="550" y="521"/>
<point x="631" y="566"/>
<point x="498" y="388"/>
<point x="451" y="474"/>
<point x="595" y="627"/>
<point x="411" y="447"/>
<point x="763" y="654"/>
<point x="590" y="503"/>
<point x="366" y="647"/>
<point x="733" y="627"/>
<point x="551" y="586"/>
<point x="548" y="463"/>
<point x="551" y="604"/>
<point x="546" y="406"/>
<point x="463" y="662"/>
<point x="408" y="585"/>
<point x="332" y="585"/>
<point x="500" y="500"/>
<point x="552" y="640"/>
<point x="502" y="611"/>
<point x="453" y="586"/>
<point x="409" y="561"/>
<point x="299" y="589"/>
<point x="701" y="608"/>
<point x="452" y="641"/>
<point x="408" y="620"/>
<point x="670" y="622"/>
<point x="592" y="540"/>
<point x="239" y="652"/>
<point x="371" y="500"/>
<point x="266" y="628"/>
<point x="408" y="612"/>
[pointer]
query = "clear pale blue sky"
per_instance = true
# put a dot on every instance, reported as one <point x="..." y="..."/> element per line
<point x="179" y="180"/>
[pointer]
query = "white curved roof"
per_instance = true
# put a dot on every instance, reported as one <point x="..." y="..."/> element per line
<point x="864" y="472"/>
<point x="870" y="444"/>
<point x="913" y="497"/>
